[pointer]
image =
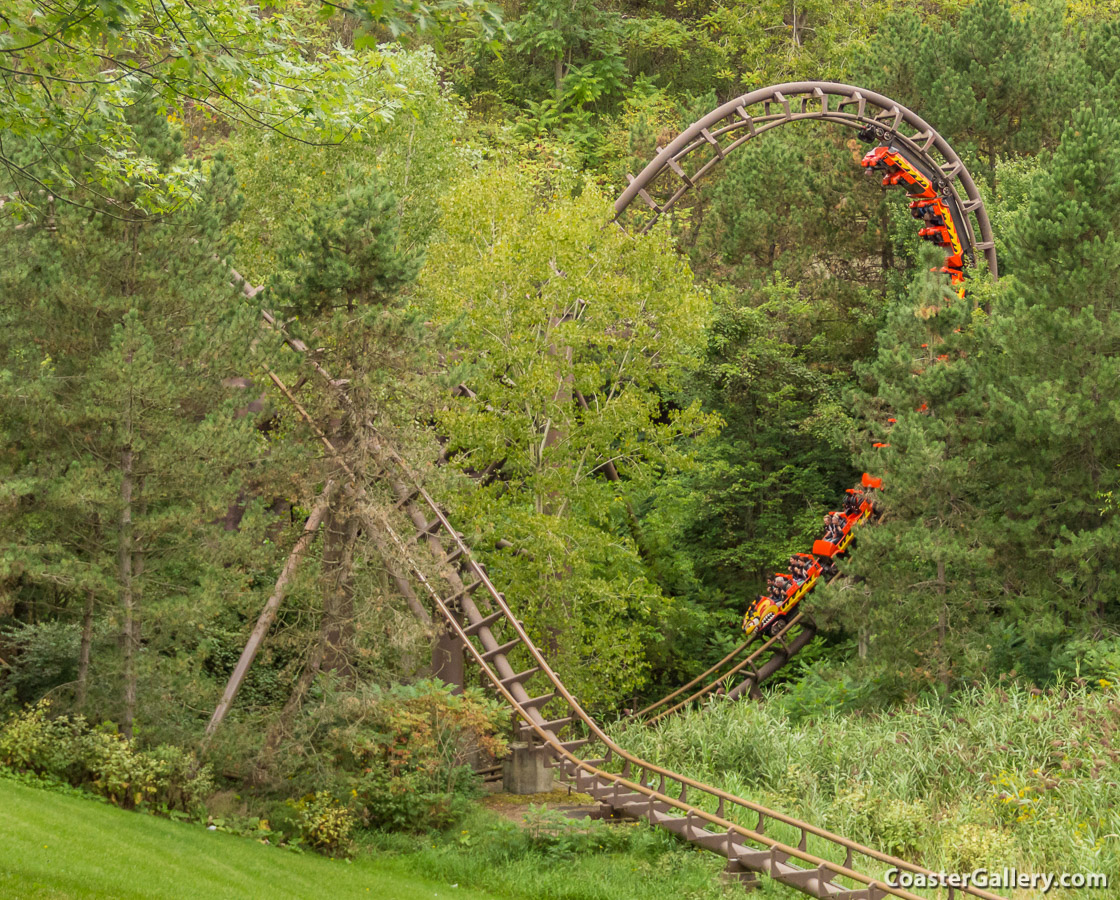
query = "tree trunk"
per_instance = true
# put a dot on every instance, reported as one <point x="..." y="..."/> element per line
<point x="340" y="533"/>
<point x="942" y="628"/>
<point x="83" y="649"/>
<point x="140" y="507"/>
<point x="268" y="614"/>
<point x="887" y="254"/>
<point x="124" y="574"/>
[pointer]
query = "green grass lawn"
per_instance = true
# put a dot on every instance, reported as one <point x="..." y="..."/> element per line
<point x="54" y="846"/>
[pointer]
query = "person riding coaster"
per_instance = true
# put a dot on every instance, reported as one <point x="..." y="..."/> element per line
<point x="833" y="529"/>
<point x="810" y="568"/>
<point x="857" y="503"/>
<point x="926" y="205"/>
<point x="786" y="590"/>
<point x="838" y="534"/>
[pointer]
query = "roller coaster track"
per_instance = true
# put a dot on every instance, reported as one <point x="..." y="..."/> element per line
<point x="764" y="662"/>
<point x="703" y="146"/>
<point x="708" y="142"/>
<point x="771" y="656"/>
<point x="751" y="837"/>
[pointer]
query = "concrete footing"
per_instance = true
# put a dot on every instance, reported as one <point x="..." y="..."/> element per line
<point x="735" y="874"/>
<point x="525" y="771"/>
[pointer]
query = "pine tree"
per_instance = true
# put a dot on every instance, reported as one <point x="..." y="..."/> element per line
<point x="1000" y="79"/>
<point x="1055" y="369"/>
<point x="124" y="345"/>
<point x="927" y="565"/>
<point x="340" y="280"/>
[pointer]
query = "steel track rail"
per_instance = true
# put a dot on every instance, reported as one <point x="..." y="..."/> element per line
<point x="642" y="713"/>
<point x="782" y="647"/>
<point x="778" y="650"/>
<point x="707" y="142"/>
<point x="709" y="818"/>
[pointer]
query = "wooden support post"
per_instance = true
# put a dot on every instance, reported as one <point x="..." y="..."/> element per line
<point x="447" y="660"/>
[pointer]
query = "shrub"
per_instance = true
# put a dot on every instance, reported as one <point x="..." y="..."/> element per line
<point x="101" y="761"/>
<point x="183" y="783"/>
<point x="403" y="754"/>
<point x="32" y="742"/>
<point x="323" y="823"/>
<point x="890" y="824"/>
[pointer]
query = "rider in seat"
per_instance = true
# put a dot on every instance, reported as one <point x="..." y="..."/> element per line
<point x="833" y="530"/>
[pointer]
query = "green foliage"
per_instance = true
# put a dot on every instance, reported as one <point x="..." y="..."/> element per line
<point x="820" y="693"/>
<point x="401" y="757"/>
<point x="74" y="76"/>
<point x="348" y="256"/>
<point x="979" y="76"/>
<point x="996" y="775"/>
<point x="554" y="835"/>
<point x="44" y="656"/>
<point x="572" y="339"/>
<point x="323" y="823"/>
<point x="413" y="157"/>
<point x="103" y="762"/>
<point x="633" y="441"/>
<point x="124" y="407"/>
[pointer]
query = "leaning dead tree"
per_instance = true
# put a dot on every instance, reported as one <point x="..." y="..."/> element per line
<point x="271" y="607"/>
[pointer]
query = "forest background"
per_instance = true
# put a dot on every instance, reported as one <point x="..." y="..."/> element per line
<point x="421" y="192"/>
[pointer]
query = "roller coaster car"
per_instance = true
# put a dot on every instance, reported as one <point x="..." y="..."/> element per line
<point x="925" y="204"/>
<point x="752" y="620"/>
<point x="876" y="159"/>
<point x="938" y="234"/>
<point x="859" y="502"/>
<point x="901" y="176"/>
<point x="829" y="549"/>
<point x="932" y="212"/>
<point x="774" y="616"/>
